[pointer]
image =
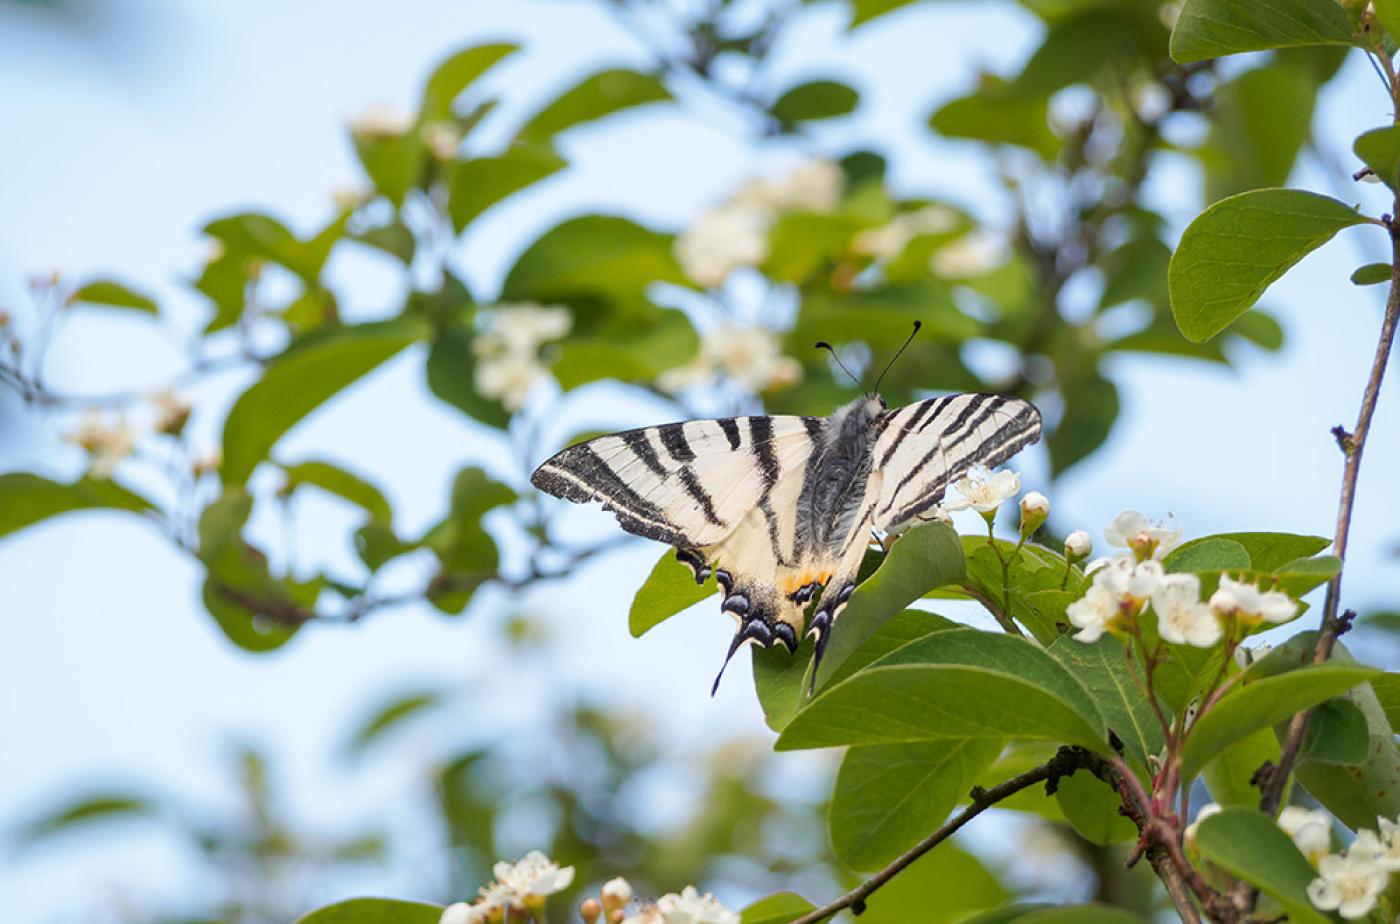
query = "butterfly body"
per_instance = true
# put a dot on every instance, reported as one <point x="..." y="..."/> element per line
<point x="781" y="509"/>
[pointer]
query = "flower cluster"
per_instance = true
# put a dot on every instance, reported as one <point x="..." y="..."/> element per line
<point x="1349" y="882"/>
<point x="106" y="442"/>
<point x="520" y="889"/>
<point x="750" y="356"/>
<point x="508" y="350"/>
<point x="1124" y="586"/>
<point x="686" y="907"/>
<point x="735" y="234"/>
<point x="889" y="240"/>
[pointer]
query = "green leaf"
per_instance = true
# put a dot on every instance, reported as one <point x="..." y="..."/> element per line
<point x="1371" y="274"/>
<point x="393" y="238"/>
<point x="1359" y="794"/>
<point x="1076" y="50"/>
<point x="1387" y="690"/>
<point x="343" y="484"/>
<point x="93" y="807"/>
<point x="374" y="911"/>
<point x="394" y="163"/>
<point x="961" y="683"/>
<point x="451" y="372"/>
<point x="239" y="590"/>
<point x="1228" y="775"/>
<point x="1264" y="551"/>
<point x="252" y="234"/>
<point x="296" y="384"/>
<point x="391" y="716"/>
<point x="1091" y="808"/>
<point x="941" y="887"/>
<point x="1211" y="553"/>
<point x="1102" y="668"/>
<point x="1006" y="913"/>
<point x="26" y="499"/>
<point x="1336" y="734"/>
<point x="1214" y="28"/>
<point x="1379" y="149"/>
<point x="1263" y="703"/>
<point x="1236" y="248"/>
<point x="1248" y="844"/>
<point x="1261" y="120"/>
<point x="112" y="295"/>
<point x="1091" y="407"/>
<point x="452" y="77"/>
<point x="923" y="558"/>
<point x="889" y="796"/>
<point x="776" y="909"/>
<point x="591" y="259"/>
<point x="482" y="182"/>
<point x="596" y="96"/>
<point x="669" y="589"/>
<point x="816" y="99"/>
<point x="1080" y="914"/>
<point x="998" y="115"/>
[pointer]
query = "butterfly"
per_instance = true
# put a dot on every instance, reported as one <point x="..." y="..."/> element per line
<point x="780" y="509"/>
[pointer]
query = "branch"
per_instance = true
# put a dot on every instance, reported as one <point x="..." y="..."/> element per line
<point x="1352" y="446"/>
<point x="1065" y="762"/>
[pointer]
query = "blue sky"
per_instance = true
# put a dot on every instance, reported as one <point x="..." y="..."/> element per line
<point x="120" y="141"/>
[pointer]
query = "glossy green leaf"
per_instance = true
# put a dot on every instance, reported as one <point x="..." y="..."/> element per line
<point x="296" y="384"/>
<point x="111" y="294"/>
<point x="1263" y="703"/>
<point x="390" y="717"/>
<point x="1336" y="734"/>
<point x="1091" y="808"/>
<point x="923" y="558"/>
<point x="256" y="612"/>
<point x="482" y="182"/>
<point x="780" y="908"/>
<point x="1077" y="49"/>
<point x="862" y="11"/>
<point x="373" y="911"/>
<point x="957" y="882"/>
<point x="253" y="234"/>
<point x="1103" y="670"/>
<point x="1371" y="274"/>
<point x="1387" y="690"/>
<point x="1212" y="553"/>
<point x="596" y="96"/>
<point x="343" y="484"/>
<point x="1229" y="774"/>
<point x="1214" y="28"/>
<point x="393" y="238"/>
<point x="1091" y="407"/>
<point x="961" y="683"/>
<point x="889" y="796"/>
<point x="1006" y="913"/>
<point x="815" y="99"/>
<point x="1080" y="914"/>
<point x="1264" y="551"/>
<point x="85" y="810"/>
<point x="669" y="589"/>
<point x="455" y="74"/>
<point x="26" y="499"/>
<point x="1248" y="844"/>
<point x="394" y="163"/>
<point x="1379" y="149"/>
<point x="1236" y="248"/>
<point x="451" y="372"/>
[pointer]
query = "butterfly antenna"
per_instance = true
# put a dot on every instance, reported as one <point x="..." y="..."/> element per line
<point x="823" y="345"/>
<point x="733" y="647"/>
<point x="908" y="340"/>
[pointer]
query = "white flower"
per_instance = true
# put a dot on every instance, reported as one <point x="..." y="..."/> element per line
<point x="983" y="491"/>
<point x="1207" y="810"/>
<point x="461" y="913"/>
<point x="508" y="378"/>
<point x="1078" y="544"/>
<point x="814" y="186"/>
<point x="533" y="875"/>
<point x="522" y="327"/>
<point x="649" y="915"/>
<point x="888" y="241"/>
<point x="382" y="120"/>
<point x="1119" y="589"/>
<point x="690" y="907"/>
<point x="1348" y="883"/>
<point x="1131" y="530"/>
<point x="970" y="255"/>
<point x="172" y="412"/>
<point x="1383" y="849"/>
<point x="1182" y="618"/>
<point x="105" y="443"/>
<point x="1250" y="604"/>
<point x="721" y="241"/>
<point x="1311" y="831"/>
<point x="751" y="356"/>
<point x="616" y="893"/>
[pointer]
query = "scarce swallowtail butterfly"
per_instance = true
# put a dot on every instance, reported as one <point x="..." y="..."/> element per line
<point x="780" y="509"/>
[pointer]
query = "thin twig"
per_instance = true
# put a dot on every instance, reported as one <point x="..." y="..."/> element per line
<point x="1064" y="763"/>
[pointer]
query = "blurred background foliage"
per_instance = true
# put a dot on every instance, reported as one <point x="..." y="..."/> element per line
<point x="1037" y="294"/>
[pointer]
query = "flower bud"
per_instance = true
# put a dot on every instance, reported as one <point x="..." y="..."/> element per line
<point x="1035" y="507"/>
<point x="590" y="911"/>
<point x="1078" y="545"/>
<point x="616" y="893"/>
<point x="456" y="913"/>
